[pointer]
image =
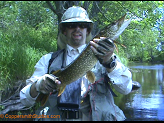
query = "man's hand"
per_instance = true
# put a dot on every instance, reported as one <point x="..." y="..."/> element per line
<point x="47" y="83"/>
<point x="103" y="49"/>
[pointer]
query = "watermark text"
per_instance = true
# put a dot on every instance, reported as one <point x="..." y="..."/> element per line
<point x="28" y="116"/>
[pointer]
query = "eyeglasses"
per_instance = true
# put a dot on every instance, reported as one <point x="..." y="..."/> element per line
<point x="75" y="25"/>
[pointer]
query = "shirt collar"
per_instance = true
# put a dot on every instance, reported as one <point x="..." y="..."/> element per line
<point x="80" y="49"/>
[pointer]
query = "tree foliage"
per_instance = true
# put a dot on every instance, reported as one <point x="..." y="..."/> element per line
<point x="24" y="39"/>
<point x="142" y="35"/>
<point x="28" y="30"/>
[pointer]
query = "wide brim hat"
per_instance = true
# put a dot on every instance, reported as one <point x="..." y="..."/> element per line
<point x="75" y="14"/>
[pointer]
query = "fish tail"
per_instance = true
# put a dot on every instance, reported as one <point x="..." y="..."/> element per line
<point x="61" y="90"/>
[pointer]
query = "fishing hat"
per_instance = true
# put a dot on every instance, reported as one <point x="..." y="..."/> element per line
<point x="75" y="14"/>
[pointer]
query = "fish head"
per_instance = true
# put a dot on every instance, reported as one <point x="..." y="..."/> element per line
<point x="120" y="26"/>
<point x="115" y="29"/>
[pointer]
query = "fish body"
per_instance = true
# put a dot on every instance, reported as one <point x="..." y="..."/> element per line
<point x="87" y="60"/>
<point x="78" y="68"/>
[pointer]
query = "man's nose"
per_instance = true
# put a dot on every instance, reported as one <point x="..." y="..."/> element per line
<point x="77" y="28"/>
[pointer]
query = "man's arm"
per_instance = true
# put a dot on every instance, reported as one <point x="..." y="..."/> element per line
<point x="121" y="78"/>
<point x="29" y="94"/>
<point x="33" y="91"/>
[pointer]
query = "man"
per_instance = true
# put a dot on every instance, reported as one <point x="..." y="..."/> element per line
<point x="81" y="100"/>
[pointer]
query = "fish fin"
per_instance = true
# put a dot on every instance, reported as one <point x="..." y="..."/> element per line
<point x="45" y="98"/>
<point x="116" y="47"/>
<point x="56" y="72"/>
<point x="91" y="76"/>
<point x="116" y="42"/>
<point x="42" y="98"/>
<point x="61" y="90"/>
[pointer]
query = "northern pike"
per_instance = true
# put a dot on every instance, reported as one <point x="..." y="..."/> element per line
<point x="87" y="60"/>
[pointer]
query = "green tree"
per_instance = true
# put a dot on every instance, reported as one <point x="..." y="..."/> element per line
<point x="144" y="16"/>
<point x="32" y="26"/>
<point x="24" y="40"/>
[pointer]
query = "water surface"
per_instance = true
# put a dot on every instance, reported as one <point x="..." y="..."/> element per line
<point x="146" y="103"/>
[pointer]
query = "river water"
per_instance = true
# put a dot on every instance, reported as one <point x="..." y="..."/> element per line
<point x="146" y="103"/>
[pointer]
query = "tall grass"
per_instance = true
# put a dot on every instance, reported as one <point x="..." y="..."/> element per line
<point x="20" y="48"/>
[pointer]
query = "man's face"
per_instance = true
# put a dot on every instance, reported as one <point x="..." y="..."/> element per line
<point x="76" y="35"/>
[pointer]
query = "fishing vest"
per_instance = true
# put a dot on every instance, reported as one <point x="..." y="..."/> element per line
<point x="100" y="96"/>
